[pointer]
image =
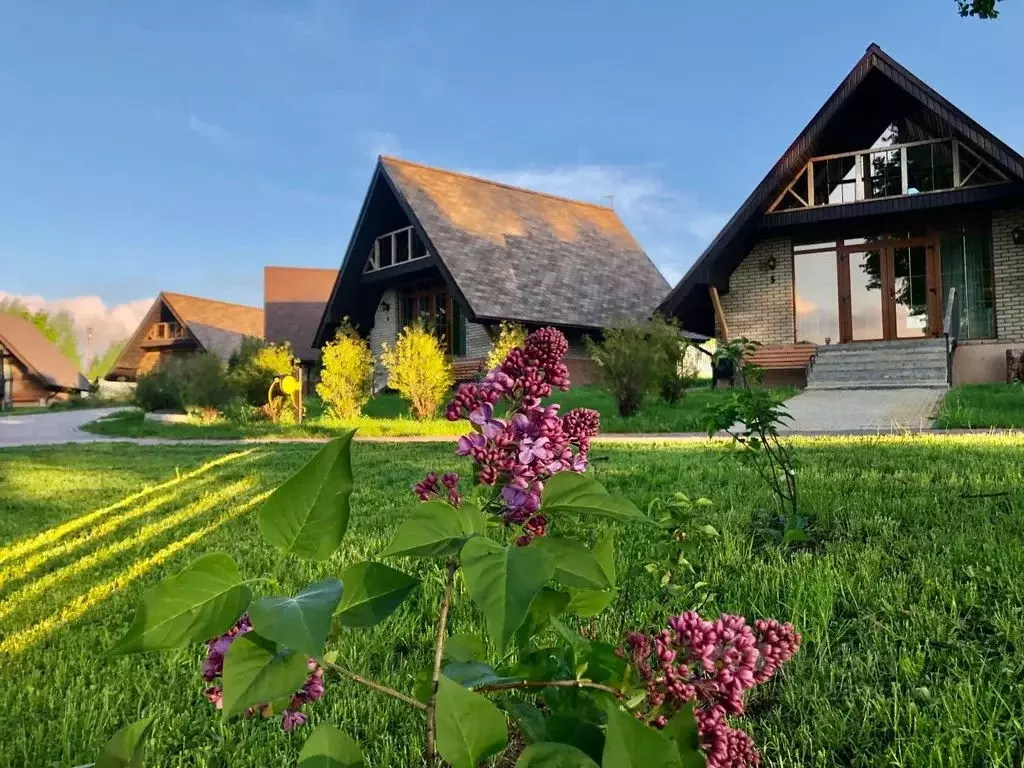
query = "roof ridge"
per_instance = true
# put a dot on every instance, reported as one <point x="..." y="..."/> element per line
<point x="501" y="184"/>
<point x="283" y="266"/>
<point x="210" y="301"/>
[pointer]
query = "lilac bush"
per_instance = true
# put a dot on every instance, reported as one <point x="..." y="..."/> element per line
<point x="710" y="665"/>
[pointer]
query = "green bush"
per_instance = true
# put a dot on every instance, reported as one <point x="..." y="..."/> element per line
<point x="418" y="368"/>
<point x="160" y="389"/>
<point x="178" y="384"/>
<point x="347" y="375"/>
<point x="254" y="366"/>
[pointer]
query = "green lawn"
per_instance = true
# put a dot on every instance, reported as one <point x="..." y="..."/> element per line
<point x="388" y="415"/>
<point x="910" y="603"/>
<point x="975" y="406"/>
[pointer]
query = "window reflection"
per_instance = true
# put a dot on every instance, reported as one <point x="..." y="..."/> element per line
<point x="816" y="297"/>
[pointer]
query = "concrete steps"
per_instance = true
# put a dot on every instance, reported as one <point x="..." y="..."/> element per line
<point x="880" y="365"/>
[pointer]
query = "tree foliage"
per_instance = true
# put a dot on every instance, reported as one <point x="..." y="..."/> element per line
<point x="981" y="9"/>
<point x="510" y="336"/>
<point x="346" y="379"/>
<point x="58" y="326"/>
<point x="100" y="365"/>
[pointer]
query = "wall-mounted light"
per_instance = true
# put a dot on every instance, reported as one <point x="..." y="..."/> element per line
<point x="770" y="264"/>
<point x="1018" y="236"/>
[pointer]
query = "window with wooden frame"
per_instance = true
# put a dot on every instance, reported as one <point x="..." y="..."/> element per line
<point x="439" y="312"/>
<point x="395" y="248"/>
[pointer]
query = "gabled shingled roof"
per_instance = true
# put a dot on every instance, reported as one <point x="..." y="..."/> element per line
<point x="217" y="327"/>
<point x="876" y="67"/>
<point x="293" y="302"/>
<point x="513" y="253"/>
<point x="27" y="344"/>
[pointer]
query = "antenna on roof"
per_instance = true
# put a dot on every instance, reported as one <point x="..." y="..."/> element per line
<point x="611" y="201"/>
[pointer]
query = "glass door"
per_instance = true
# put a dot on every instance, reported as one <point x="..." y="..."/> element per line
<point x="866" y="320"/>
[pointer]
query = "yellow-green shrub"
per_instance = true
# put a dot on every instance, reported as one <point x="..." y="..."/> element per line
<point x="347" y="375"/>
<point x="418" y="369"/>
<point x="510" y="336"/>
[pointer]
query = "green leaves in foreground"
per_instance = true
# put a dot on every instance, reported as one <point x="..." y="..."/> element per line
<point x="259" y="671"/>
<point x="552" y="755"/>
<point x="630" y="743"/>
<point x="301" y="622"/>
<point x="127" y="747"/>
<point x="575" y="494"/>
<point x="437" y="529"/>
<point x="372" y="593"/>
<point x="307" y="514"/>
<point x="328" y="747"/>
<point x="575" y="565"/>
<point x="202" y="601"/>
<point x="503" y="581"/>
<point x="469" y="727"/>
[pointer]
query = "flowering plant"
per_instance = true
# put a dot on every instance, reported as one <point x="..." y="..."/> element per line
<point x="581" y="702"/>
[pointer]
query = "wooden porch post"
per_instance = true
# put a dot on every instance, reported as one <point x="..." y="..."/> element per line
<point x="719" y="312"/>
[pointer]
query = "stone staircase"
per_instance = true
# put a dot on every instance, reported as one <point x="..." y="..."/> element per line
<point x="920" y="363"/>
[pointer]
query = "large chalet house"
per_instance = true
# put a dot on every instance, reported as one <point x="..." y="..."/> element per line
<point x="461" y="254"/>
<point x="33" y="371"/>
<point x="884" y="248"/>
<point x="177" y="325"/>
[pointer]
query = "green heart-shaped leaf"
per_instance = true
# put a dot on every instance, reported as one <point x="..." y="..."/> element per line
<point x="307" y="514"/>
<point x="575" y="565"/>
<point x="464" y="648"/>
<point x="437" y="529"/>
<point x="127" y="747"/>
<point x="301" y="622"/>
<point x="552" y="755"/>
<point x="372" y="593"/>
<point x="469" y="727"/>
<point x="258" y="671"/>
<point x="590" y="602"/>
<point x="576" y="494"/>
<point x="199" y="603"/>
<point x="329" y="747"/>
<point x="682" y="730"/>
<point x="630" y="743"/>
<point x="502" y="582"/>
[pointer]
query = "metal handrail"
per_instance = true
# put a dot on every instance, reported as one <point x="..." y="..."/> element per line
<point x="951" y="330"/>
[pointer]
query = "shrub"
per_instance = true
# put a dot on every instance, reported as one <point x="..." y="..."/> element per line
<point x="666" y="339"/>
<point x="347" y="375"/>
<point x="160" y="389"/>
<point x="628" y="363"/>
<point x="510" y="336"/>
<point x="418" y="369"/>
<point x="254" y="365"/>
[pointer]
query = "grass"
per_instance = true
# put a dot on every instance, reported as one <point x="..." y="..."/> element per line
<point x="387" y="415"/>
<point x="910" y="603"/>
<point x="974" y="406"/>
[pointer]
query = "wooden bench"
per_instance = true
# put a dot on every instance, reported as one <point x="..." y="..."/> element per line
<point x="467" y="369"/>
<point x="783" y="357"/>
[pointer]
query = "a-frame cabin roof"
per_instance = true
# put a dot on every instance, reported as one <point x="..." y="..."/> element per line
<point x="21" y="339"/>
<point x="509" y="253"/>
<point x="852" y="118"/>
<point x="217" y="327"/>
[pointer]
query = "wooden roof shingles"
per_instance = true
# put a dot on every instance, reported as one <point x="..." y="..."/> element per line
<point x="25" y="342"/>
<point x="517" y="254"/>
<point x="293" y="303"/>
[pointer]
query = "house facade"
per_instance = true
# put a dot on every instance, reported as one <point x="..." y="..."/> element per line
<point x="889" y="236"/>
<point x="177" y="325"/>
<point x="461" y="254"/>
<point x="33" y="371"/>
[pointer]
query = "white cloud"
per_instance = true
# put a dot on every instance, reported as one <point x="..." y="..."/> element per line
<point x="211" y="132"/>
<point x="672" y="225"/>
<point x="108" y="323"/>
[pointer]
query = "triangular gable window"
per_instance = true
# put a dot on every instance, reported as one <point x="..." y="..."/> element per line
<point x="394" y="248"/>
<point x="895" y="165"/>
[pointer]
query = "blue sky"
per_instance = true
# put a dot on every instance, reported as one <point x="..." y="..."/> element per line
<point x="182" y="146"/>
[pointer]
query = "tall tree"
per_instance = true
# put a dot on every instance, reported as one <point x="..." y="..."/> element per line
<point x="58" y="327"/>
<point x="982" y="9"/>
<point x="101" y="364"/>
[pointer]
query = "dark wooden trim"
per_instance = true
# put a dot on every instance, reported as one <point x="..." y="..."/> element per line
<point x="389" y="275"/>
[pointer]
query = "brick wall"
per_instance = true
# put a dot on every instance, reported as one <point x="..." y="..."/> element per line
<point x="385" y="329"/>
<point x="755" y="307"/>
<point x="478" y="341"/>
<point x="1008" y="271"/>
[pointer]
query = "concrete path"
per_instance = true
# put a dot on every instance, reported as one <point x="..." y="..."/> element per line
<point x="855" y="411"/>
<point x="50" y="428"/>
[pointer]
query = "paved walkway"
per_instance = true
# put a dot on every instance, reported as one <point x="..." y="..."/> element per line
<point x="855" y="411"/>
<point x="50" y="428"/>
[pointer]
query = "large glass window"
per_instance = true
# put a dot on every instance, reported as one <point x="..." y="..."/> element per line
<point x="910" y="285"/>
<point x="866" y="295"/>
<point x="439" y="313"/>
<point x="816" y="295"/>
<point x="967" y="266"/>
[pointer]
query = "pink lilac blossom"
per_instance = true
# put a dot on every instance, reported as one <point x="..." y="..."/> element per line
<point x="520" y="452"/>
<point x="710" y="663"/>
<point x="213" y="667"/>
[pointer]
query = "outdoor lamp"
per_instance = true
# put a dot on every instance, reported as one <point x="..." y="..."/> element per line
<point x="1018" y="236"/>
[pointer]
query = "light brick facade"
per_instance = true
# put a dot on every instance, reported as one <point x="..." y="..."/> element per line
<point x="756" y="307"/>
<point x="478" y="341"/>
<point x="385" y="329"/>
<point x="1008" y="274"/>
